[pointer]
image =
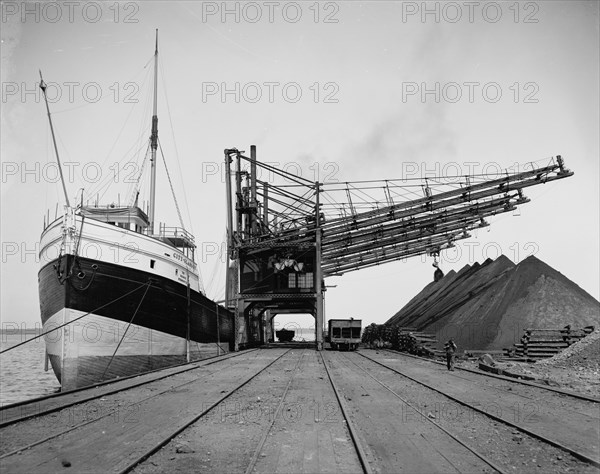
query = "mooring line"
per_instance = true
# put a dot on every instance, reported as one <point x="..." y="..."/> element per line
<point x="73" y="320"/>
<point x="126" y="329"/>
<point x="194" y="365"/>
<point x="72" y="428"/>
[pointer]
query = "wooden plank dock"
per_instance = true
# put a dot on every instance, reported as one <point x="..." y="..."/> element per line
<point x="293" y="409"/>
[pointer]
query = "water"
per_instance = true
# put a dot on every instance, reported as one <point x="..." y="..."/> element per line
<point x="22" y="375"/>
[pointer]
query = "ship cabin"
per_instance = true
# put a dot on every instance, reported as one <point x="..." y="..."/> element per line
<point x="132" y="218"/>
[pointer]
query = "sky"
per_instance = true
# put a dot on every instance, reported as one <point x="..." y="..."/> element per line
<point x="337" y="91"/>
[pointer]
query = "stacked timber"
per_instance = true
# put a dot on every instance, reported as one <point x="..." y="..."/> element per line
<point x="376" y="335"/>
<point x="544" y="343"/>
<point x="405" y="339"/>
<point x="408" y="339"/>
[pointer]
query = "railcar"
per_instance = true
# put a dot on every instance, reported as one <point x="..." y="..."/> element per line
<point x="285" y="335"/>
<point x="344" y="334"/>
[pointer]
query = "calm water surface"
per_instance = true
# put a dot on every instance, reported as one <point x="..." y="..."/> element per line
<point x="22" y="375"/>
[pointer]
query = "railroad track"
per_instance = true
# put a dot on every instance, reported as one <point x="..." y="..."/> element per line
<point x="98" y="396"/>
<point x="500" y="377"/>
<point x="148" y="450"/>
<point x="23" y="459"/>
<point x="262" y="445"/>
<point x="263" y="438"/>
<point x="364" y="465"/>
<point x="178" y="424"/>
<point x="168" y="439"/>
<point x="21" y="411"/>
<point x="360" y="451"/>
<point x="538" y="433"/>
<point x="375" y="462"/>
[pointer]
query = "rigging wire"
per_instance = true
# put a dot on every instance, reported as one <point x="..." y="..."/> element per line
<point x="177" y="161"/>
<point x="217" y="268"/>
<point x="104" y="185"/>
<point x="171" y="186"/>
<point x="134" y="189"/>
<point x="136" y="146"/>
<point x="201" y="280"/>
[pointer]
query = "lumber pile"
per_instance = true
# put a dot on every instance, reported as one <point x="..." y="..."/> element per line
<point x="408" y="339"/>
<point x="544" y="343"/>
<point x="404" y="339"/>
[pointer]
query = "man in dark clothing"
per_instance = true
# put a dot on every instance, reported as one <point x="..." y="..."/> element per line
<point x="450" y="350"/>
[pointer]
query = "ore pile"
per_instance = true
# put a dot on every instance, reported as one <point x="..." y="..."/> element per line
<point x="488" y="306"/>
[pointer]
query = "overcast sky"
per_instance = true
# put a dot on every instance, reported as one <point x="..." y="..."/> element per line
<point x="343" y="90"/>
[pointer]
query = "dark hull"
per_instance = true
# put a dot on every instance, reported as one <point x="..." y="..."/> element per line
<point x="158" y="303"/>
<point x="163" y="308"/>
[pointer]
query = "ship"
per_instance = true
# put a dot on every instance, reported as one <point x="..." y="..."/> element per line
<point x="120" y="295"/>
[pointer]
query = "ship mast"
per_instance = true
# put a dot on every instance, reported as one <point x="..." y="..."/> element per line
<point x="153" y="143"/>
<point x="62" y="178"/>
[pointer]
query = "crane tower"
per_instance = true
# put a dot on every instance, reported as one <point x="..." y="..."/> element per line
<point x="286" y="234"/>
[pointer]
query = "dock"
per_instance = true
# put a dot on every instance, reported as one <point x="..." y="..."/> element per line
<point x="294" y="409"/>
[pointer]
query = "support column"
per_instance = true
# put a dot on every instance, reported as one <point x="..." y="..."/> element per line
<point x="253" y="202"/>
<point x="230" y="289"/>
<point x="240" y="323"/>
<point x="318" y="275"/>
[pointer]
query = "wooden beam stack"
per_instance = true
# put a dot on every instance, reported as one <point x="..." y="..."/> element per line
<point x="544" y="343"/>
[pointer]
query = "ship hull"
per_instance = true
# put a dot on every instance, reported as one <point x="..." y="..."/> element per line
<point x="119" y="321"/>
<point x="84" y="353"/>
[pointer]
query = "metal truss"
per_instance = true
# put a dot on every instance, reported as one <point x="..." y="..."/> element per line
<point x="367" y="223"/>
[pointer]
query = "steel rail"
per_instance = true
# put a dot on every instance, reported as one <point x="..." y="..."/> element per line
<point x="567" y="393"/>
<point x="194" y="419"/>
<point x="479" y="455"/>
<point x="556" y="444"/>
<point x="195" y="365"/>
<point x="261" y="443"/>
<point x="346" y="414"/>
<point x="110" y="413"/>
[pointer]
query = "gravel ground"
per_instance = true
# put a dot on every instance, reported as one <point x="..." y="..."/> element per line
<point x="582" y="380"/>
<point x="577" y="368"/>
<point x="509" y="448"/>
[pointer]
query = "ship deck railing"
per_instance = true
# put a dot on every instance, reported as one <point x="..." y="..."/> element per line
<point x="176" y="236"/>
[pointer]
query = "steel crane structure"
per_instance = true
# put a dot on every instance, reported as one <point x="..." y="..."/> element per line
<point x="286" y="234"/>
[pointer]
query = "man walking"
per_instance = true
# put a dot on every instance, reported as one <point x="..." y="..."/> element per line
<point x="450" y="350"/>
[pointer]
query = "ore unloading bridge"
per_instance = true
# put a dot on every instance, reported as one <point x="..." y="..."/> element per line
<point x="285" y="236"/>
